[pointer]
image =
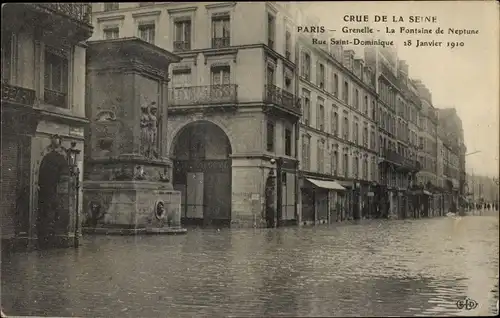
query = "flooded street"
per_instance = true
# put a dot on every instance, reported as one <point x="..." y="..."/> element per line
<point x="377" y="268"/>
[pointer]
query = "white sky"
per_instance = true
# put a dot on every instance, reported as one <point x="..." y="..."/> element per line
<point x="466" y="78"/>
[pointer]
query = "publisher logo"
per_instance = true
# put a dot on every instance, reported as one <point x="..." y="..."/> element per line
<point x="467" y="304"/>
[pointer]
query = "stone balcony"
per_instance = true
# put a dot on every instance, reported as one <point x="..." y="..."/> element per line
<point x="70" y="21"/>
<point x="282" y="99"/>
<point x="80" y="12"/>
<point x="401" y="161"/>
<point x="18" y="114"/>
<point x="206" y="96"/>
<point x="17" y="95"/>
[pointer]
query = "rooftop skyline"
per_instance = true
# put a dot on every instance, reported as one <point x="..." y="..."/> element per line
<point x="465" y="78"/>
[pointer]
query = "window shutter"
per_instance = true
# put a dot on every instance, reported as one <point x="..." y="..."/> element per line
<point x="318" y="76"/>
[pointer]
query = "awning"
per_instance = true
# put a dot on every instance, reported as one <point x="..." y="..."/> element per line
<point x="332" y="185"/>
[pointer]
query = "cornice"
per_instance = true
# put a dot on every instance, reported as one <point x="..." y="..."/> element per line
<point x="220" y="52"/>
<point x="111" y="18"/>
<point x="181" y="10"/>
<point x="146" y="14"/>
<point x="220" y="5"/>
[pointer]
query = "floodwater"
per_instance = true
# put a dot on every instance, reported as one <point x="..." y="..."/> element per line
<point x="376" y="268"/>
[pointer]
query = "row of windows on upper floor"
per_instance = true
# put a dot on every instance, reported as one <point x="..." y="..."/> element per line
<point x="398" y="128"/>
<point x="182" y="41"/>
<point x="56" y="70"/>
<point x="387" y="95"/>
<point x="331" y="84"/>
<point x="221" y="32"/>
<point x="362" y="166"/>
<point x="362" y="135"/>
<point x="406" y="110"/>
<point x="340" y="161"/>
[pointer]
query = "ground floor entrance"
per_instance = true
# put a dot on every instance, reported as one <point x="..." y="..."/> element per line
<point x="322" y="201"/>
<point x="202" y="173"/>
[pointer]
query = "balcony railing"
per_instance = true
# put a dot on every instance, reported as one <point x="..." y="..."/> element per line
<point x="400" y="160"/>
<point x="18" y="95"/>
<point x="389" y="75"/>
<point x="280" y="97"/>
<point x="203" y="95"/>
<point x="220" y="42"/>
<point x="80" y="12"/>
<point x="55" y="98"/>
<point x="182" y="46"/>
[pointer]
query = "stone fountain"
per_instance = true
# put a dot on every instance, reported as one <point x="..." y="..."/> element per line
<point x="127" y="174"/>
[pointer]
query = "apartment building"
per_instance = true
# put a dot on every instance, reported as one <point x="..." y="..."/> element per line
<point x="43" y="115"/>
<point x="482" y="189"/>
<point x="338" y="134"/>
<point x="453" y="154"/>
<point x="397" y="99"/>
<point x="233" y="110"/>
<point x="427" y="178"/>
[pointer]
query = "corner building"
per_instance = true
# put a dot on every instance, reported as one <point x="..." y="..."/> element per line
<point x="233" y="110"/>
<point x="43" y="113"/>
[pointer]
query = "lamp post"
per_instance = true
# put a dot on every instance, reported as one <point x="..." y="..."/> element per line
<point x="473" y="181"/>
<point x="75" y="173"/>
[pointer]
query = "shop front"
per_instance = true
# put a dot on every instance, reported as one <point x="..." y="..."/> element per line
<point x="322" y="200"/>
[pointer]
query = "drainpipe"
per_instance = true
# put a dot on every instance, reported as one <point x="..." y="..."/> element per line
<point x="298" y="217"/>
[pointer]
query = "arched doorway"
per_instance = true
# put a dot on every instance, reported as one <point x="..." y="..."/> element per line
<point x="202" y="172"/>
<point x="53" y="197"/>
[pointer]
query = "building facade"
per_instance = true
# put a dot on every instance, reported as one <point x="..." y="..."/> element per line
<point x="453" y="153"/>
<point x="427" y="178"/>
<point x="482" y="190"/>
<point x="265" y="128"/>
<point x="233" y="111"/>
<point x="338" y="134"/>
<point x="43" y="115"/>
<point x="397" y="164"/>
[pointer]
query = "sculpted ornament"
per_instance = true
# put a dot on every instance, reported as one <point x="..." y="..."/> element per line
<point x="149" y="130"/>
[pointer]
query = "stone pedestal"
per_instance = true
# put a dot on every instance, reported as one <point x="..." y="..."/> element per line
<point x="127" y="174"/>
<point x="132" y="207"/>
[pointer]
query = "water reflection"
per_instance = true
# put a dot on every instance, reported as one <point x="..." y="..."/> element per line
<point x="377" y="268"/>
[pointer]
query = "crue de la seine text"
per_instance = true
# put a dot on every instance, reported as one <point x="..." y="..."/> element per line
<point x="417" y="28"/>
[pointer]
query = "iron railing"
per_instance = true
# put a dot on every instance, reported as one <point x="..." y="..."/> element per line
<point x="203" y="95"/>
<point x="18" y="95"/>
<point x="182" y="46"/>
<point x="386" y="71"/>
<point x="400" y="160"/>
<point x="55" y="98"/>
<point x="220" y="42"/>
<point x="280" y="97"/>
<point x="77" y="11"/>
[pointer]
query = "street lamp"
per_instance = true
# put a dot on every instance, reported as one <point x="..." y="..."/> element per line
<point x="75" y="173"/>
<point x="472" y="153"/>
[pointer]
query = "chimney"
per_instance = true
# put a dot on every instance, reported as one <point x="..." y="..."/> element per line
<point x="348" y="59"/>
<point x="403" y="66"/>
<point x="358" y="67"/>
